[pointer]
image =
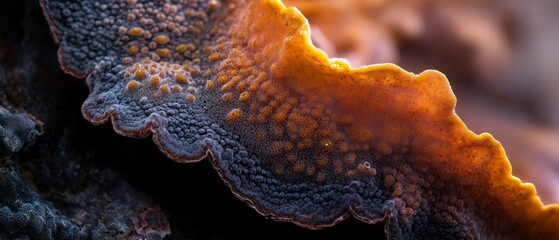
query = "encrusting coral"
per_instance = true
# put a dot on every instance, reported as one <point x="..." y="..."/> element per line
<point x="24" y="215"/>
<point x="298" y="136"/>
<point x="16" y="130"/>
<point x="52" y="184"/>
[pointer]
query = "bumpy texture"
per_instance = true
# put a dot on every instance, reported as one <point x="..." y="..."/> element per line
<point x="16" y="130"/>
<point x="299" y="137"/>
<point x="24" y="216"/>
<point x="57" y="187"/>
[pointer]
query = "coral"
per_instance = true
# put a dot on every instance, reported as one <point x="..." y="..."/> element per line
<point x="24" y="216"/>
<point x="298" y="136"/>
<point x="51" y="189"/>
<point x="16" y="130"/>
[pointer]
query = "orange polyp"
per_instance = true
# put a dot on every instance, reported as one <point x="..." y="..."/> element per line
<point x="210" y="85"/>
<point x="140" y="74"/>
<point x="244" y="96"/>
<point x="234" y="115"/>
<point x="327" y="144"/>
<point x="135" y="31"/>
<point x="161" y="39"/>
<point x="154" y="81"/>
<point x="222" y="80"/>
<point x="280" y="117"/>
<point x="372" y="172"/>
<point x="214" y="57"/>
<point x="133" y="49"/>
<point x="181" y="48"/>
<point x="180" y="78"/>
<point x="190" y="98"/>
<point x="227" y="97"/>
<point x="213" y="5"/>
<point x="361" y="168"/>
<point x="132" y="85"/>
<point x="299" y="167"/>
<point x="227" y="86"/>
<point x="164" y="88"/>
<point x="176" y="88"/>
<point x="241" y="86"/>
<point x="350" y="174"/>
<point x="164" y="52"/>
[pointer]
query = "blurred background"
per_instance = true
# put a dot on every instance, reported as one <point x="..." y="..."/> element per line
<point x="501" y="58"/>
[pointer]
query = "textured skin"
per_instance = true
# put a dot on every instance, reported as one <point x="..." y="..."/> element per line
<point x="16" y="130"/>
<point x="299" y="137"/>
<point x="25" y="216"/>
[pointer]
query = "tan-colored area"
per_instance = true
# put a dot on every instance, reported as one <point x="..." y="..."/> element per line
<point x="501" y="50"/>
<point x="333" y="111"/>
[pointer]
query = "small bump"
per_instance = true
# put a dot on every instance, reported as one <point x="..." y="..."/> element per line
<point x="213" y="5"/>
<point x="214" y="57"/>
<point x="191" y="90"/>
<point x="164" y="52"/>
<point x="227" y="97"/>
<point x="152" y="70"/>
<point x="245" y="96"/>
<point x="389" y="181"/>
<point x="222" y="80"/>
<point x="176" y="88"/>
<point x="180" y="78"/>
<point x="210" y="85"/>
<point x="154" y="81"/>
<point x="242" y="85"/>
<point x="132" y="50"/>
<point x="181" y="48"/>
<point x="161" y="39"/>
<point x="164" y="88"/>
<point x="326" y="145"/>
<point x="132" y="85"/>
<point x="234" y="115"/>
<point x="140" y="73"/>
<point x="280" y="117"/>
<point x="190" y="98"/>
<point x="299" y="167"/>
<point x="361" y="168"/>
<point x="372" y="172"/>
<point x="135" y="32"/>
